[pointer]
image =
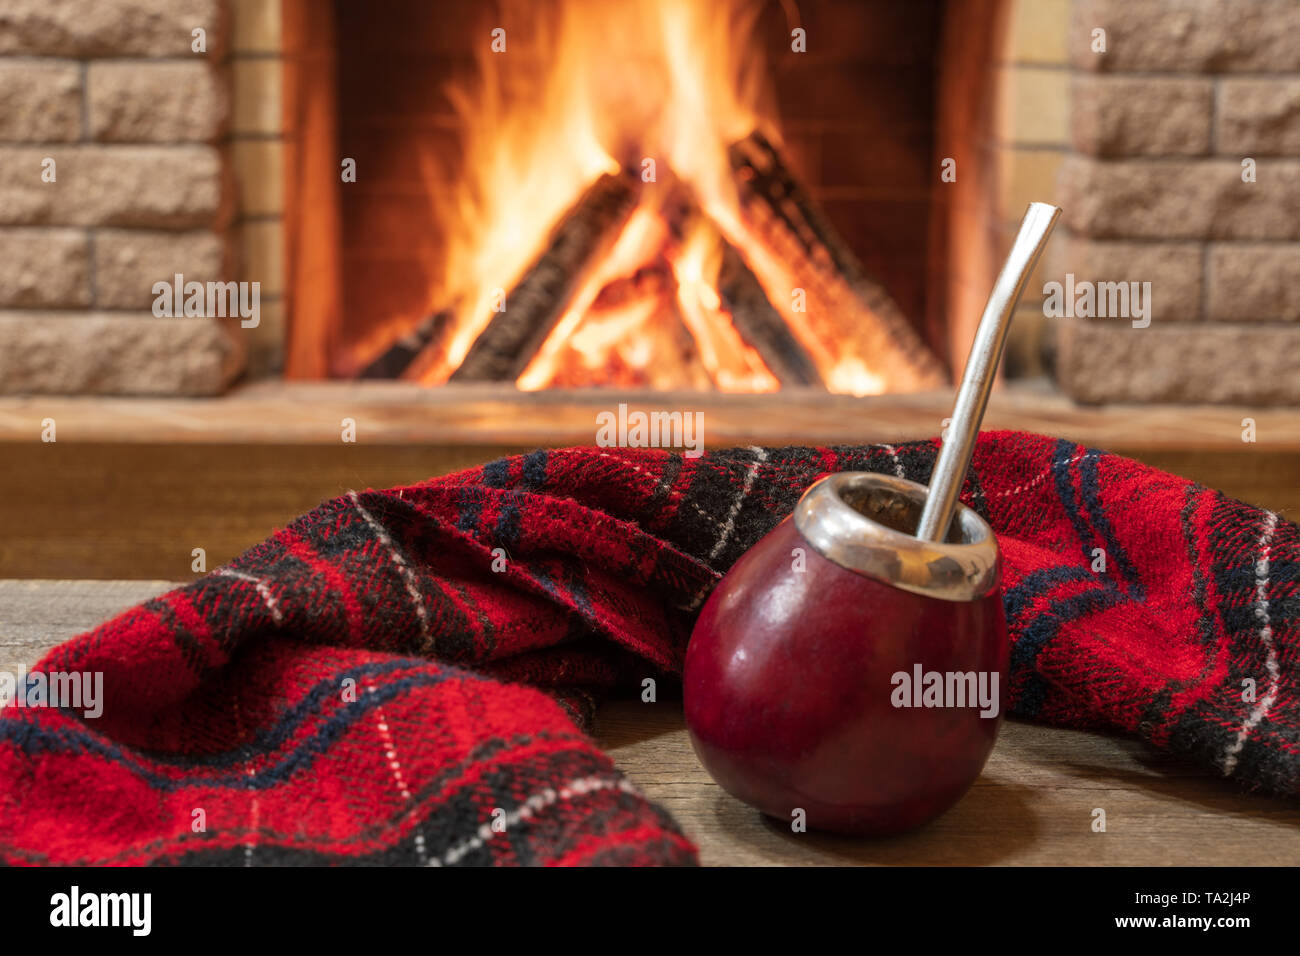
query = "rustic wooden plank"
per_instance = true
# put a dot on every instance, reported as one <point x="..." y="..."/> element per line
<point x="138" y="511"/>
<point x="300" y="413"/>
<point x="398" y="355"/>
<point x="131" y="486"/>
<point x="133" y="510"/>
<point x="36" y="616"/>
<point x="1033" y="805"/>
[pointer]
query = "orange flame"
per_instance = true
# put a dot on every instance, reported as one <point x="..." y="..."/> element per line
<point x="658" y="88"/>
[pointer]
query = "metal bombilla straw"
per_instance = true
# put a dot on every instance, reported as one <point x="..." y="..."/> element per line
<point x="981" y="368"/>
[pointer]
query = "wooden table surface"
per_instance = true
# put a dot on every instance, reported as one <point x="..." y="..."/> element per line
<point x="1034" y="803"/>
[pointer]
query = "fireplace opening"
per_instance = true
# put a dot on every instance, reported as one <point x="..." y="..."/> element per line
<point x="668" y="194"/>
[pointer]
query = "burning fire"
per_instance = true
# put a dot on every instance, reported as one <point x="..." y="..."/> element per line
<point x="656" y="91"/>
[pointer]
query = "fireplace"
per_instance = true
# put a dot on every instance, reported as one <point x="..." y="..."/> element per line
<point x="830" y="126"/>
<point x="206" y="140"/>
<point x="666" y="195"/>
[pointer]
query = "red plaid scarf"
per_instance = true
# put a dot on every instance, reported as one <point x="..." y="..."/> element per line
<point x="401" y="676"/>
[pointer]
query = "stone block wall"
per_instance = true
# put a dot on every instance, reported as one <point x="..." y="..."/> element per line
<point x="1187" y="95"/>
<point x="114" y="175"/>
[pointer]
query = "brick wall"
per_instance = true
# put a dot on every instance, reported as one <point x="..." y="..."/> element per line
<point x="1031" y="133"/>
<point x="1152" y="191"/>
<point x="133" y="119"/>
<point x="256" y="155"/>
<point x="172" y="161"/>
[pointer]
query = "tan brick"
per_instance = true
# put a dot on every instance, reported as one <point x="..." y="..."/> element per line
<point x="1027" y="175"/>
<point x="1101" y="362"/>
<point x="115" y="354"/>
<point x="1208" y="36"/>
<point x="1203" y="199"/>
<point x="1141" y="116"/>
<point x="40" y="101"/>
<point x="141" y="102"/>
<point x="259" y="172"/>
<point x="257" y="96"/>
<point x="1037" y="31"/>
<point x="110" y="27"/>
<point x="44" y="268"/>
<point x="1025" y="343"/>
<point x="1254" y="281"/>
<point x="159" y="187"/>
<point x="1172" y="268"/>
<point x="1034" y="106"/>
<point x="1258" y="117"/>
<point x="129" y="262"/>
<point x="262" y="255"/>
<point x="256" y="26"/>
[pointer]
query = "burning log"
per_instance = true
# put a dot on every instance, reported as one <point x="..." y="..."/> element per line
<point x="847" y="312"/>
<point x="539" y="299"/>
<point x="397" y="358"/>
<point x="761" y="326"/>
<point x="848" y="335"/>
<point x="635" y="315"/>
<point x="653" y="279"/>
